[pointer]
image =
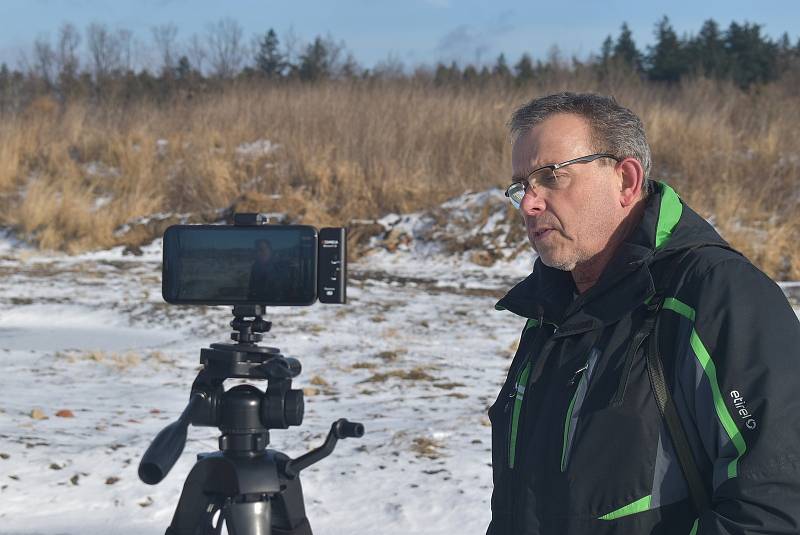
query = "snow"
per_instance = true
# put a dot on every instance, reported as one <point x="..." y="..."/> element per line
<point x="256" y="149"/>
<point x="161" y="146"/>
<point x="99" y="169"/>
<point x="417" y="355"/>
<point x="90" y="334"/>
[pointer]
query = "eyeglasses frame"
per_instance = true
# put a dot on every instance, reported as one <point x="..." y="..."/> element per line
<point x="555" y="166"/>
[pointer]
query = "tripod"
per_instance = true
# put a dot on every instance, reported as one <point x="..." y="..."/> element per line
<point x="254" y="490"/>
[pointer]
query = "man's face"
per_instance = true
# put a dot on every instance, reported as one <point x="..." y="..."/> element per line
<point x="570" y="226"/>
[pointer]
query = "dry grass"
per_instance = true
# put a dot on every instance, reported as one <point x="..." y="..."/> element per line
<point x="71" y="175"/>
<point x="418" y="373"/>
<point x="427" y="447"/>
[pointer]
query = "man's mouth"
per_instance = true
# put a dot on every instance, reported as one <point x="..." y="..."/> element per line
<point x="541" y="233"/>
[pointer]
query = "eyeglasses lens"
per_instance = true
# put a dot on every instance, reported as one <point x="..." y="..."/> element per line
<point x="515" y="193"/>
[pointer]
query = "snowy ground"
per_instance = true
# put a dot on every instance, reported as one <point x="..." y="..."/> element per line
<point x="417" y="356"/>
<point x="95" y="364"/>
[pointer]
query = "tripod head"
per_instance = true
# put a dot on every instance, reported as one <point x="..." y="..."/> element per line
<point x="244" y="414"/>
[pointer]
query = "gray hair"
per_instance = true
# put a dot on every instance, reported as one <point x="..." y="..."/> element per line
<point x="615" y="129"/>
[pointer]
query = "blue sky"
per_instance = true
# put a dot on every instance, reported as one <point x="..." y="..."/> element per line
<point x="412" y="31"/>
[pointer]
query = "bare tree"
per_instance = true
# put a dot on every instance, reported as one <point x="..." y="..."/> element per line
<point x="342" y="62"/>
<point x="226" y="48"/>
<point x="126" y="46"/>
<point x="390" y="68"/>
<point x="44" y="60"/>
<point x="67" y="60"/>
<point x="104" y="50"/>
<point x="165" y="36"/>
<point x="327" y="58"/>
<point x="292" y="44"/>
<point x="196" y="52"/>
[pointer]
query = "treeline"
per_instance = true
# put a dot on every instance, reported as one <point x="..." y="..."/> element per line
<point x="105" y="63"/>
<point x="741" y="54"/>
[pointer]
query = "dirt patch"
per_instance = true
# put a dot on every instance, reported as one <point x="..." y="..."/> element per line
<point x="448" y="386"/>
<point x="415" y="374"/>
<point x="427" y="447"/>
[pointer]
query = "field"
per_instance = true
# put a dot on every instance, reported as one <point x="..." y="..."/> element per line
<point x="85" y="175"/>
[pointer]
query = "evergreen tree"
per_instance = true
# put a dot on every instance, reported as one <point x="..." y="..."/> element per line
<point x="446" y="74"/>
<point x="269" y="59"/>
<point x="470" y="74"/>
<point x="604" y="64"/>
<point x="500" y="68"/>
<point x="625" y="51"/>
<point x="606" y="50"/>
<point x="350" y="68"/>
<point x="706" y="52"/>
<point x="666" y="59"/>
<point x="183" y="69"/>
<point x="753" y="59"/>
<point x="315" y="62"/>
<point x="5" y="83"/>
<point x="787" y="55"/>
<point x="524" y="68"/>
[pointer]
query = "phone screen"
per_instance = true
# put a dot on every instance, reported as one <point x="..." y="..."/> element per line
<point x="224" y="265"/>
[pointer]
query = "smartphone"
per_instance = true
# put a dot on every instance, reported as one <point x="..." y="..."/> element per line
<point x="272" y="265"/>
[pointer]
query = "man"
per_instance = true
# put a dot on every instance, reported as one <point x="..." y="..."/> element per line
<point x="579" y="444"/>
<point x="267" y="275"/>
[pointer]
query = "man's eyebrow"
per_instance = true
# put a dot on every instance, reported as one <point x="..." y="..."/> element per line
<point x="518" y="178"/>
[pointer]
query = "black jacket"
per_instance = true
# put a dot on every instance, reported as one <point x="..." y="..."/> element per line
<point x="578" y="444"/>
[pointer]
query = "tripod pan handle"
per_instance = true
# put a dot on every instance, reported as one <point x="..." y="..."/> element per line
<point x="346" y="429"/>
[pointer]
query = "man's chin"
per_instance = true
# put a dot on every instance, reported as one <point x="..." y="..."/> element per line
<point x="558" y="263"/>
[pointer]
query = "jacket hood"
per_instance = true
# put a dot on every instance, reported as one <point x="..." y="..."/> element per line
<point x="668" y="226"/>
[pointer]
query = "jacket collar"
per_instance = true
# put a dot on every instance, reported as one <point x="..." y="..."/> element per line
<point x="547" y="293"/>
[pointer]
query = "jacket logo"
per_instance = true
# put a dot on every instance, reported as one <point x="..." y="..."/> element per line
<point x="744" y="414"/>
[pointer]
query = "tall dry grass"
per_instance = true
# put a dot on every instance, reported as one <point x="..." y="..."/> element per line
<point x="71" y="175"/>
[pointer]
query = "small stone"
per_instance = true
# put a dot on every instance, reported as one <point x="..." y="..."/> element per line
<point x="4" y="456"/>
<point x="55" y="466"/>
<point x="65" y="413"/>
<point x="38" y="414"/>
<point x="111" y="480"/>
<point x="74" y="479"/>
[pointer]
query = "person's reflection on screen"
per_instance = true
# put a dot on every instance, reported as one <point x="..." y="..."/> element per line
<point x="266" y="275"/>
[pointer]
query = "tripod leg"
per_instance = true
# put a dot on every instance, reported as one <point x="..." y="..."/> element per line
<point x="288" y="510"/>
<point x="196" y="509"/>
<point x="248" y="518"/>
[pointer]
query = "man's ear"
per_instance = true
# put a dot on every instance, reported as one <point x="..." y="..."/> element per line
<point x="632" y="174"/>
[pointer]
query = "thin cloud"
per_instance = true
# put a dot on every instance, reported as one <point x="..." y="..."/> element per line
<point x="469" y="43"/>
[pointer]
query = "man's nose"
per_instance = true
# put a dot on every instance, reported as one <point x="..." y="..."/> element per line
<point x="532" y="202"/>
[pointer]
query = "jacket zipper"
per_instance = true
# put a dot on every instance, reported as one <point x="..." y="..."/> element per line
<point x="633" y="350"/>
<point x="517" y="395"/>
<point x="578" y="378"/>
<point x="513" y="481"/>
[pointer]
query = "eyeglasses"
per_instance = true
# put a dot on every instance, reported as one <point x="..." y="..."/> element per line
<point x="547" y="178"/>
